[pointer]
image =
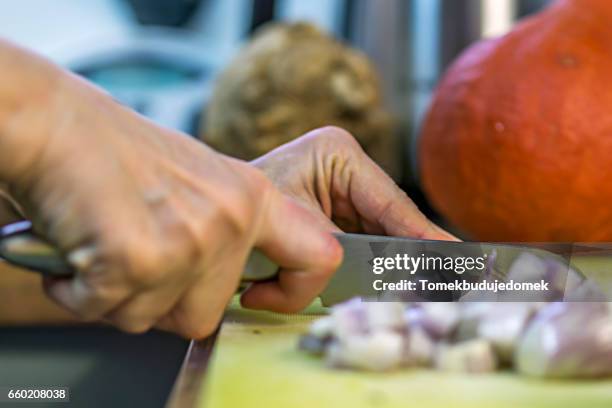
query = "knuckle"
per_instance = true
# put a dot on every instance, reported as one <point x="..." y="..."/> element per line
<point x="240" y="213"/>
<point x="142" y="262"/>
<point x="241" y="205"/>
<point x="199" y="331"/>
<point x="189" y="326"/>
<point x="91" y="305"/>
<point x="86" y="316"/>
<point x="97" y="292"/>
<point x="337" y="137"/>
<point x="258" y="180"/>
<point x="232" y="215"/>
<point x="387" y="214"/>
<point x="132" y="326"/>
<point x="129" y="320"/>
<point x="147" y="268"/>
<point x="255" y="181"/>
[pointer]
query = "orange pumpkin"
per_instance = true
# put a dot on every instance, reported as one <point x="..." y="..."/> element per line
<point x="517" y="144"/>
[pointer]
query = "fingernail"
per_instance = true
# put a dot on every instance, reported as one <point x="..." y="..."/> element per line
<point x="335" y="250"/>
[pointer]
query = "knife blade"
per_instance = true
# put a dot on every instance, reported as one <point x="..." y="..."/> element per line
<point x="20" y="246"/>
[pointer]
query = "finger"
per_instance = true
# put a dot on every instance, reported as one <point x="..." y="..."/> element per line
<point x="87" y="299"/>
<point x="293" y="237"/>
<point x="385" y="206"/>
<point x="200" y="308"/>
<point x="324" y="222"/>
<point x="185" y="322"/>
<point x="308" y="256"/>
<point x="167" y="324"/>
<point x="403" y="218"/>
<point x="291" y="292"/>
<point x="142" y="311"/>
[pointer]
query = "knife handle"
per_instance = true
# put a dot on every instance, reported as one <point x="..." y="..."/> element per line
<point x="20" y="246"/>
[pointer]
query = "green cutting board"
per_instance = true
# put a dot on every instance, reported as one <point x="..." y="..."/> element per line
<point x="256" y="364"/>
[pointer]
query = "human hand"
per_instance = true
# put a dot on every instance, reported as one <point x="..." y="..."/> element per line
<point x="157" y="225"/>
<point x="327" y="171"/>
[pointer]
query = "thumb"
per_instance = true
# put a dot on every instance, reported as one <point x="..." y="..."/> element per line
<point x="306" y="252"/>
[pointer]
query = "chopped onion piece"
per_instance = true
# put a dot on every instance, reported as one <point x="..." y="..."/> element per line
<point x="473" y="356"/>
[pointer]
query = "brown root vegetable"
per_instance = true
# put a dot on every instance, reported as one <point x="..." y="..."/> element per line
<point x="290" y="79"/>
<point x="568" y="340"/>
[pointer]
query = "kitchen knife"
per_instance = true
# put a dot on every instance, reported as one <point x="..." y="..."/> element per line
<point x="20" y="246"/>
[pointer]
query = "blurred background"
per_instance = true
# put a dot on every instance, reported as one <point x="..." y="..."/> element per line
<point x="162" y="57"/>
<point x="226" y="72"/>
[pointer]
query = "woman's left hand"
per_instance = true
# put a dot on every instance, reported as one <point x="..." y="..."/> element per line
<point x="328" y="172"/>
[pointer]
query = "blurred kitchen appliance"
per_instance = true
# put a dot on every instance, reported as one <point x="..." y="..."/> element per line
<point x="164" y="12"/>
<point x="157" y="56"/>
<point x="164" y="69"/>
